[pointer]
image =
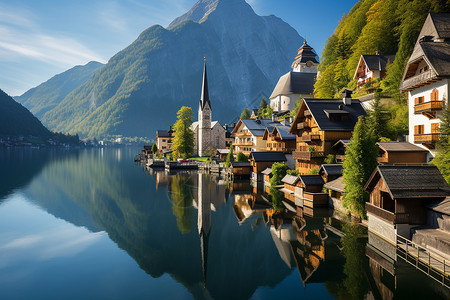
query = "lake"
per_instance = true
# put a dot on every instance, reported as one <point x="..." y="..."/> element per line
<point x="92" y="224"/>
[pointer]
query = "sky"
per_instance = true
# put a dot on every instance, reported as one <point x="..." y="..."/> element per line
<point x="39" y="39"/>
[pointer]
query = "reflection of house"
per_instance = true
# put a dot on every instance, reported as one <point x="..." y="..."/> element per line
<point x="426" y="79"/>
<point x="404" y="153"/>
<point x="398" y="196"/>
<point x="249" y="134"/>
<point x="372" y="67"/>
<point x="260" y="160"/>
<point x="319" y="124"/>
<point x="164" y="139"/>
<point x="296" y="84"/>
<point x="279" y="139"/>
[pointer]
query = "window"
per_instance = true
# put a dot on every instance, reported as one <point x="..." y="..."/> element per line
<point x="418" y="129"/>
<point x="424" y="69"/>
<point x="419" y="100"/>
<point x="435" y="95"/>
<point x="163" y="140"/>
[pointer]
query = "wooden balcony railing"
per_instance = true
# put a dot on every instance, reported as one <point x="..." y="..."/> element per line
<point x="303" y="125"/>
<point x="311" y="138"/>
<point x="243" y="134"/>
<point x="340" y="157"/>
<point x="307" y="155"/>
<point x="417" y="80"/>
<point x="428" y="138"/>
<point x="243" y="144"/>
<point x="394" y="218"/>
<point x="428" y="106"/>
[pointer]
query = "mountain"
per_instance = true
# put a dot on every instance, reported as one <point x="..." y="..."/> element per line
<point x="142" y="87"/>
<point x="16" y="120"/>
<point x="47" y="95"/>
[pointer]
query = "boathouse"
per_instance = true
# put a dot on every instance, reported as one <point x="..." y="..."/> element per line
<point x="260" y="160"/>
<point x="330" y="172"/>
<point x="241" y="168"/>
<point x="399" y="196"/>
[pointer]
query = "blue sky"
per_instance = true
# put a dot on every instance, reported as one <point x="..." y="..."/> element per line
<point x="39" y="39"/>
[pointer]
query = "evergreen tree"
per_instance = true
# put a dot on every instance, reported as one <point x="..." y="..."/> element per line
<point x="230" y="158"/>
<point x="279" y="170"/>
<point x="245" y="114"/>
<point x="378" y="118"/>
<point x="154" y="148"/>
<point x="442" y="159"/>
<point x="360" y="161"/>
<point x="183" y="141"/>
<point x="262" y="106"/>
<point x="241" y="157"/>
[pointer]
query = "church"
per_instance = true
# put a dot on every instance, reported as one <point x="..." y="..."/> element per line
<point x="208" y="135"/>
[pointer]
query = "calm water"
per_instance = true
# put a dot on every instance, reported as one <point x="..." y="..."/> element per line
<point x="91" y="224"/>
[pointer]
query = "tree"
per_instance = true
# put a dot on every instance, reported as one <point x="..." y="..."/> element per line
<point x="378" y="118"/>
<point x="279" y="170"/>
<point x="262" y="106"/>
<point x="360" y="161"/>
<point x="183" y="141"/>
<point x="154" y="148"/>
<point x="241" y="157"/>
<point x="442" y="159"/>
<point x="245" y="114"/>
<point x="230" y="158"/>
<point x="330" y="159"/>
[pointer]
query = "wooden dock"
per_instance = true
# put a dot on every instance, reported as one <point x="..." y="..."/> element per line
<point x="172" y="165"/>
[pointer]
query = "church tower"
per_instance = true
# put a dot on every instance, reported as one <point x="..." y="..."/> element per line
<point x="204" y="117"/>
<point x="305" y="61"/>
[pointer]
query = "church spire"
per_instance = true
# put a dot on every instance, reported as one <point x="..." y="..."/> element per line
<point x="205" y="95"/>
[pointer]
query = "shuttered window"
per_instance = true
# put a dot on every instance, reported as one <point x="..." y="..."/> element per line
<point x="434" y="127"/>
<point x="435" y="95"/>
<point x="418" y="100"/>
<point x="418" y="129"/>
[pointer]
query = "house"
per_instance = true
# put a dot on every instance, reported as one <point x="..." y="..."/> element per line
<point x="297" y="83"/>
<point x="228" y="138"/>
<point x="248" y="135"/>
<point x="339" y="149"/>
<point x="267" y="172"/>
<point x="241" y="168"/>
<point x="260" y="160"/>
<point x="372" y="67"/>
<point x="401" y="153"/>
<point x="164" y="139"/>
<point x="426" y="79"/>
<point x="399" y="196"/>
<point x="279" y="139"/>
<point x="330" y="172"/>
<point x="319" y="124"/>
<point x="208" y="135"/>
<point x="222" y="154"/>
<point x="336" y="190"/>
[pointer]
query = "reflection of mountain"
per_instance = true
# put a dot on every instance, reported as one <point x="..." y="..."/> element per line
<point x="18" y="167"/>
<point x="102" y="190"/>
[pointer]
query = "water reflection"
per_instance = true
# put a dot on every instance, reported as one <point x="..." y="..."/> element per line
<point x="220" y="240"/>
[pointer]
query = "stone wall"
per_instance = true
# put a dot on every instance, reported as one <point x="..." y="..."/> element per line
<point x="382" y="228"/>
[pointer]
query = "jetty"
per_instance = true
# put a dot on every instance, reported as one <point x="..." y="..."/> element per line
<point x="173" y="165"/>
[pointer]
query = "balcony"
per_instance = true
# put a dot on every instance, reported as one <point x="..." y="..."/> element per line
<point x="311" y="138"/>
<point x="394" y="218"/>
<point x="303" y="125"/>
<point x="275" y="149"/>
<point x="243" y="134"/>
<point x="428" y="138"/>
<point x="417" y="80"/>
<point x="429" y="108"/>
<point x="307" y="155"/>
<point x="243" y="144"/>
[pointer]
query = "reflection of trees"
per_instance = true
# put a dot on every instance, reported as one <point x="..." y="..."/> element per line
<point x="355" y="261"/>
<point x="181" y="193"/>
<point x="277" y="198"/>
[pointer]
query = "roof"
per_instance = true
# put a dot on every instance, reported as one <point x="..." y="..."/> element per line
<point x="318" y="108"/>
<point x="410" y="181"/>
<point x="294" y="83"/>
<point x="311" y="179"/>
<point x="194" y="125"/>
<point x="336" y="185"/>
<point x="377" y="62"/>
<point x="283" y="130"/>
<point x="204" y="98"/>
<point x="267" y="156"/>
<point x="240" y="164"/>
<point x="331" y="169"/>
<point x="257" y="127"/>
<point x="442" y="206"/>
<point x="290" y="179"/>
<point x="223" y="151"/>
<point x="400" y="147"/>
<point x="267" y="171"/>
<point x="343" y="142"/>
<point x="162" y="133"/>
<point x="438" y="55"/>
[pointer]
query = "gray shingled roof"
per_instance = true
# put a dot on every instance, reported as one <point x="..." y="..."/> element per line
<point x="336" y="185"/>
<point x="438" y="54"/>
<point x="283" y="130"/>
<point x="331" y="169"/>
<point x="400" y="147"/>
<point x="317" y="107"/>
<point x="411" y="181"/>
<point x="257" y="127"/>
<point x="294" y="83"/>
<point x="378" y="62"/>
<point x="343" y="142"/>
<point x="162" y="133"/>
<point x="311" y="179"/>
<point x="442" y="206"/>
<point x="290" y="179"/>
<point x="268" y="156"/>
<point x="267" y="171"/>
<point x="240" y="164"/>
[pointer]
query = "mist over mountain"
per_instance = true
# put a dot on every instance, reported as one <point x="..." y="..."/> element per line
<point x="47" y="95"/>
<point x="142" y="87"/>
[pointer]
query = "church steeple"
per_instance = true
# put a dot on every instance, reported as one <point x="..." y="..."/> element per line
<point x="205" y="94"/>
<point x="305" y="61"/>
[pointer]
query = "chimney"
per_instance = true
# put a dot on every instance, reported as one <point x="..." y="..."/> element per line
<point x="347" y="96"/>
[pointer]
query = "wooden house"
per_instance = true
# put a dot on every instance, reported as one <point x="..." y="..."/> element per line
<point x="330" y="172"/>
<point x="222" y="154"/>
<point x="401" y="153"/>
<point x="241" y="169"/>
<point x="427" y="80"/>
<point x="319" y="124"/>
<point x="372" y="67"/>
<point x="399" y="196"/>
<point x="260" y="160"/>
<point x="305" y="190"/>
<point x="279" y="139"/>
<point x="289" y="184"/>
<point x="267" y="175"/>
<point x="248" y="135"/>
<point x="336" y="190"/>
<point x="339" y="148"/>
